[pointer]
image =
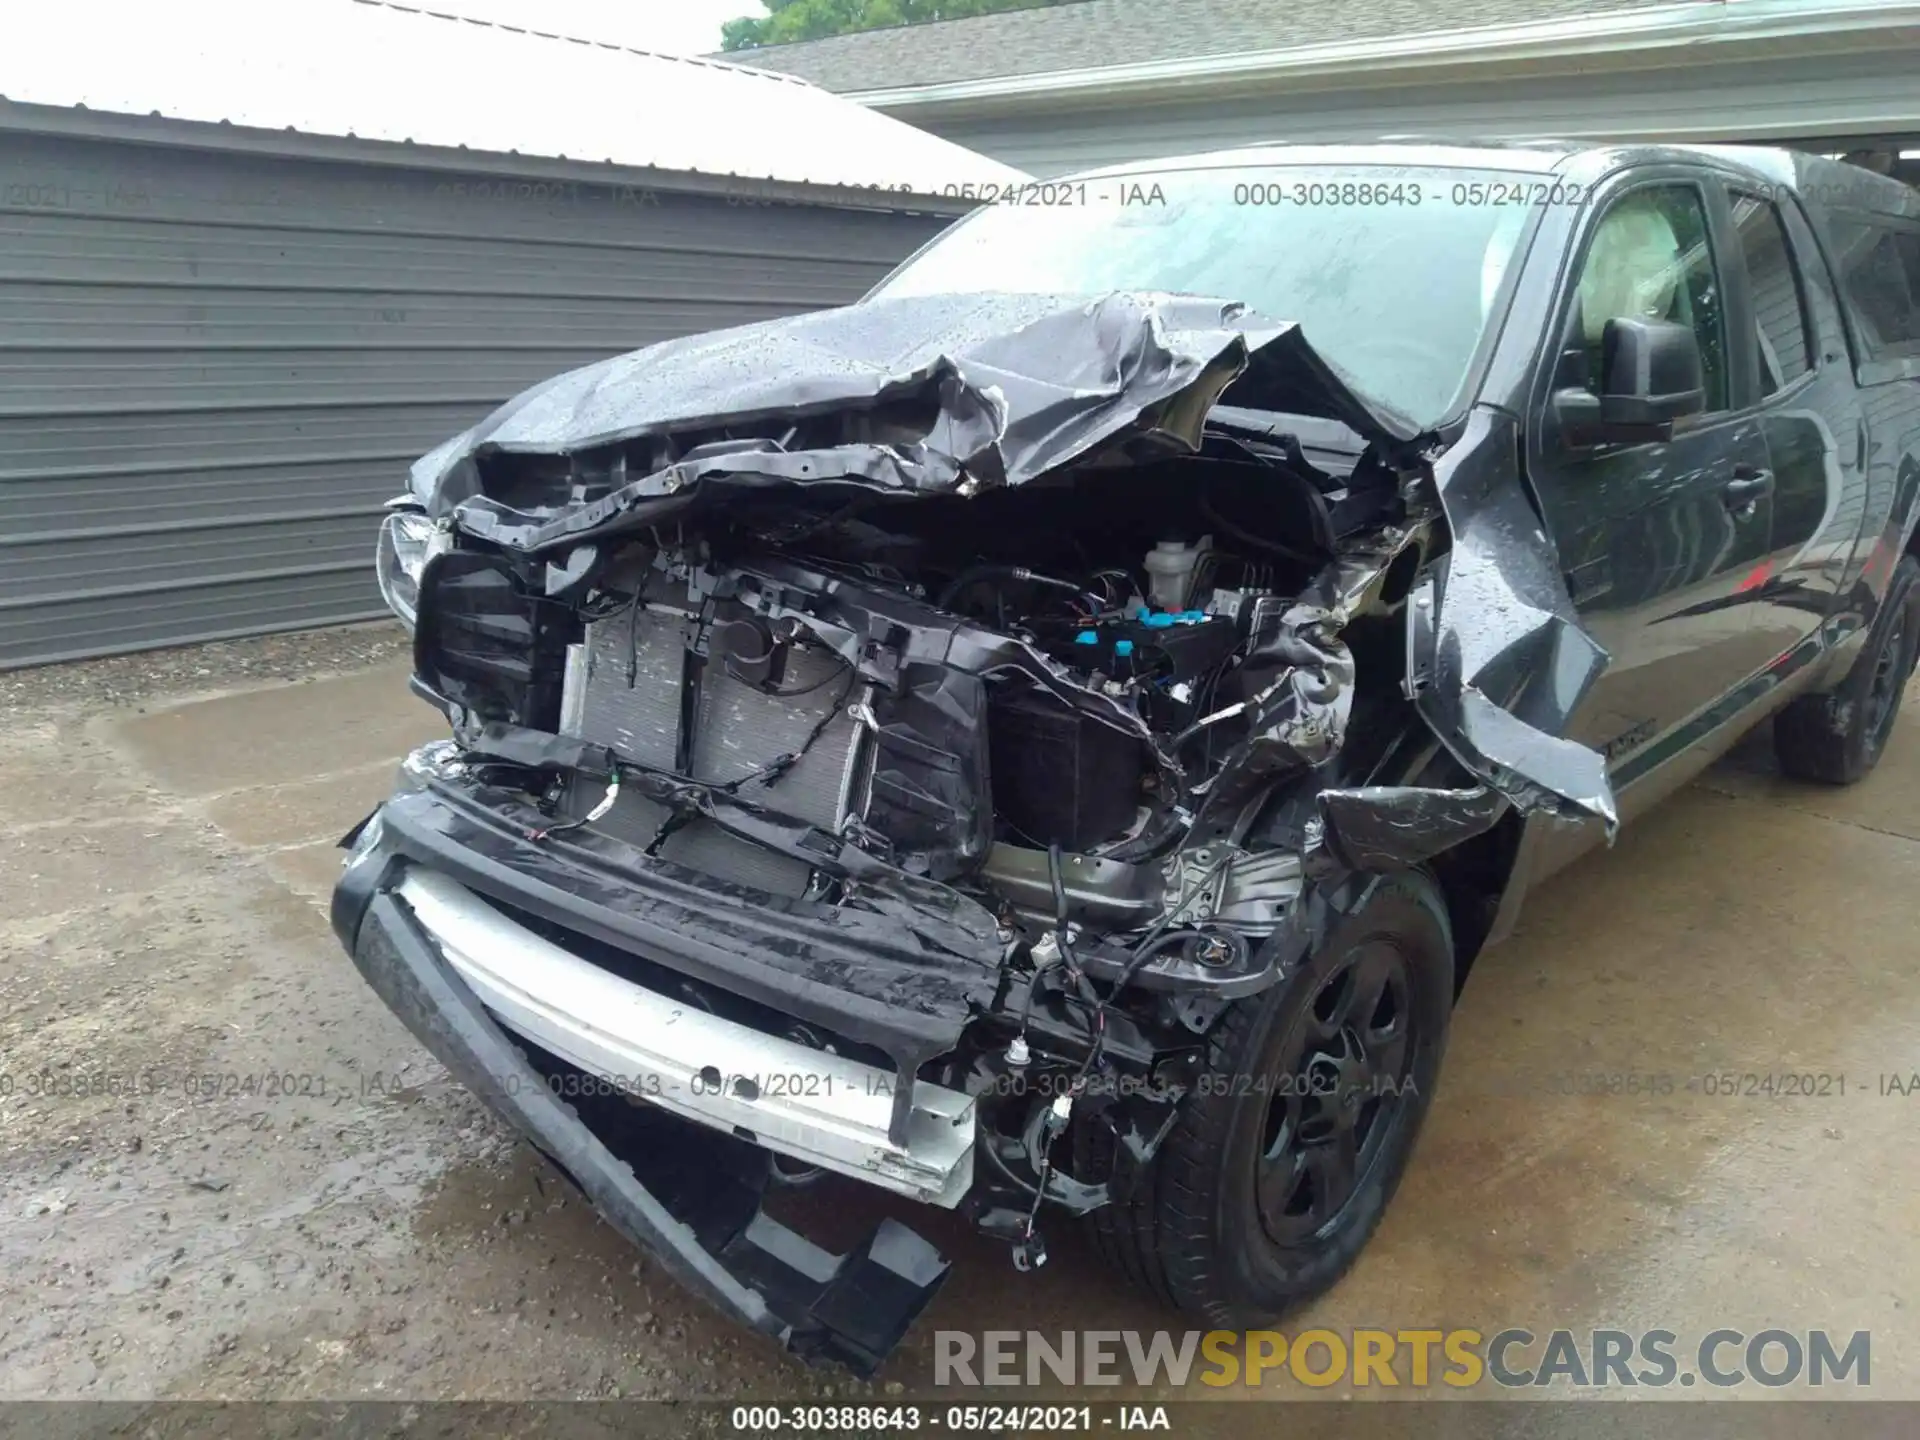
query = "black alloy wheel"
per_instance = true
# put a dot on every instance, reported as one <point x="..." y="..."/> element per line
<point x="1336" y="1094"/>
<point x="1837" y="736"/>
<point x="1301" y="1120"/>
<point x="1890" y="670"/>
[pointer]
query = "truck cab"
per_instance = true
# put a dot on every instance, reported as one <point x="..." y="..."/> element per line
<point x="1050" y="740"/>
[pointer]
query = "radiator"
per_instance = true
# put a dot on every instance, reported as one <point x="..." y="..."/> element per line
<point x="735" y="730"/>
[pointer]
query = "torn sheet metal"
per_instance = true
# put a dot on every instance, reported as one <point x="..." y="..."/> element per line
<point x="1388" y="827"/>
<point x="1498" y="661"/>
<point x="1301" y="672"/>
<point x="1010" y="387"/>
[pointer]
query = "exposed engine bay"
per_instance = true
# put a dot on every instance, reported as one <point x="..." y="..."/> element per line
<point x="1065" y="705"/>
<point x="1108" y="683"/>
<point x="1089" y="693"/>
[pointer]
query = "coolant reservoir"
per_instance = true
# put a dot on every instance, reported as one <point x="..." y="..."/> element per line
<point x="1170" y="567"/>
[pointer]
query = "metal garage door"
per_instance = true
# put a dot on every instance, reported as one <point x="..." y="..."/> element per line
<point x="214" y="367"/>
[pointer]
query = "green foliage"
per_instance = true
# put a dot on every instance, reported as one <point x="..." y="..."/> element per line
<point x="790" y="20"/>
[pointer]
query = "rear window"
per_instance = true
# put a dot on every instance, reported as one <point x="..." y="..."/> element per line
<point x="1779" y="304"/>
<point x="1879" y="263"/>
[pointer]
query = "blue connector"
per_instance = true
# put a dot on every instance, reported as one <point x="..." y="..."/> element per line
<point x="1166" y="619"/>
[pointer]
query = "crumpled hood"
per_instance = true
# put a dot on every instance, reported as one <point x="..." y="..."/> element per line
<point x="1020" y="385"/>
<point x="1024" y="383"/>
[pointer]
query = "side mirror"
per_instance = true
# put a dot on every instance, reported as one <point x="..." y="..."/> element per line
<point x="1650" y="376"/>
<point x="1649" y="373"/>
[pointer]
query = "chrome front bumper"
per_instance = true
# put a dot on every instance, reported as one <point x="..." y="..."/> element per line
<point x="811" y="1106"/>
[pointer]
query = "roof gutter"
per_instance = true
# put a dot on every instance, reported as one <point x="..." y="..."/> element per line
<point x="1610" y="38"/>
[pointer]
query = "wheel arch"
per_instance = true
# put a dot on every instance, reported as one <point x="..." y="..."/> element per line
<point x="1483" y="882"/>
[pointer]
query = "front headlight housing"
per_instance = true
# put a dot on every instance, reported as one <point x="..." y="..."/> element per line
<point x="408" y="540"/>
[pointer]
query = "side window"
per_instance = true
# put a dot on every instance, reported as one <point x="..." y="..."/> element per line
<point x="1648" y="258"/>
<point x="1875" y="261"/>
<point x="1907" y="242"/>
<point x="1779" y="299"/>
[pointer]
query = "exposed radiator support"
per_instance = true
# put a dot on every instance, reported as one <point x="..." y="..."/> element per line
<point x="683" y="709"/>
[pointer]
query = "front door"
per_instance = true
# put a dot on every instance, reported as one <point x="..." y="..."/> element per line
<point x="1663" y="545"/>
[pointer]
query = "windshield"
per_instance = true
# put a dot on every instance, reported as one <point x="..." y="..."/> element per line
<point x="1392" y="273"/>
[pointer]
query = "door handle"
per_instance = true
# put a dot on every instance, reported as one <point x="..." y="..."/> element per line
<point x="1749" y="485"/>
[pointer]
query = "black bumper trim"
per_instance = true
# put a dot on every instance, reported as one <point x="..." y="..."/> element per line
<point x="851" y="1308"/>
<point x="855" y="974"/>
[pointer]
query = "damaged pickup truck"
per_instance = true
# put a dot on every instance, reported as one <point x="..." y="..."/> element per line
<point x="1048" y="740"/>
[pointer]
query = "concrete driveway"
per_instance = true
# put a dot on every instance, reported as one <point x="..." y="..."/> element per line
<point x="328" y="1216"/>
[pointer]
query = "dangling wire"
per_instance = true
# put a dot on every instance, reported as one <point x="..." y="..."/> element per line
<point x="771" y="773"/>
<point x="633" y="630"/>
<point x="598" y="812"/>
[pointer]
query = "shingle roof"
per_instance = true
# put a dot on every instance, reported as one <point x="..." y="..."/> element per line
<point x="1086" y="34"/>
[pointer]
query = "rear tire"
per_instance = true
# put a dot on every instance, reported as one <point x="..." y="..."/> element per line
<point x="1282" y="1163"/>
<point x="1837" y="737"/>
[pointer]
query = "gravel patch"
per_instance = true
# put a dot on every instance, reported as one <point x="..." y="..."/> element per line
<point x="217" y="665"/>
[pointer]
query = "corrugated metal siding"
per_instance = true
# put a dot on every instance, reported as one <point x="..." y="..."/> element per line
<point x="1777" y="311"/>
<point x="1830" y="94"/>
<point x="214" y="368"/>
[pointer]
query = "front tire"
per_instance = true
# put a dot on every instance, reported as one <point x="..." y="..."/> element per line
<point x="1836" y="738"/>
<point x="1283" y="1160"/>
